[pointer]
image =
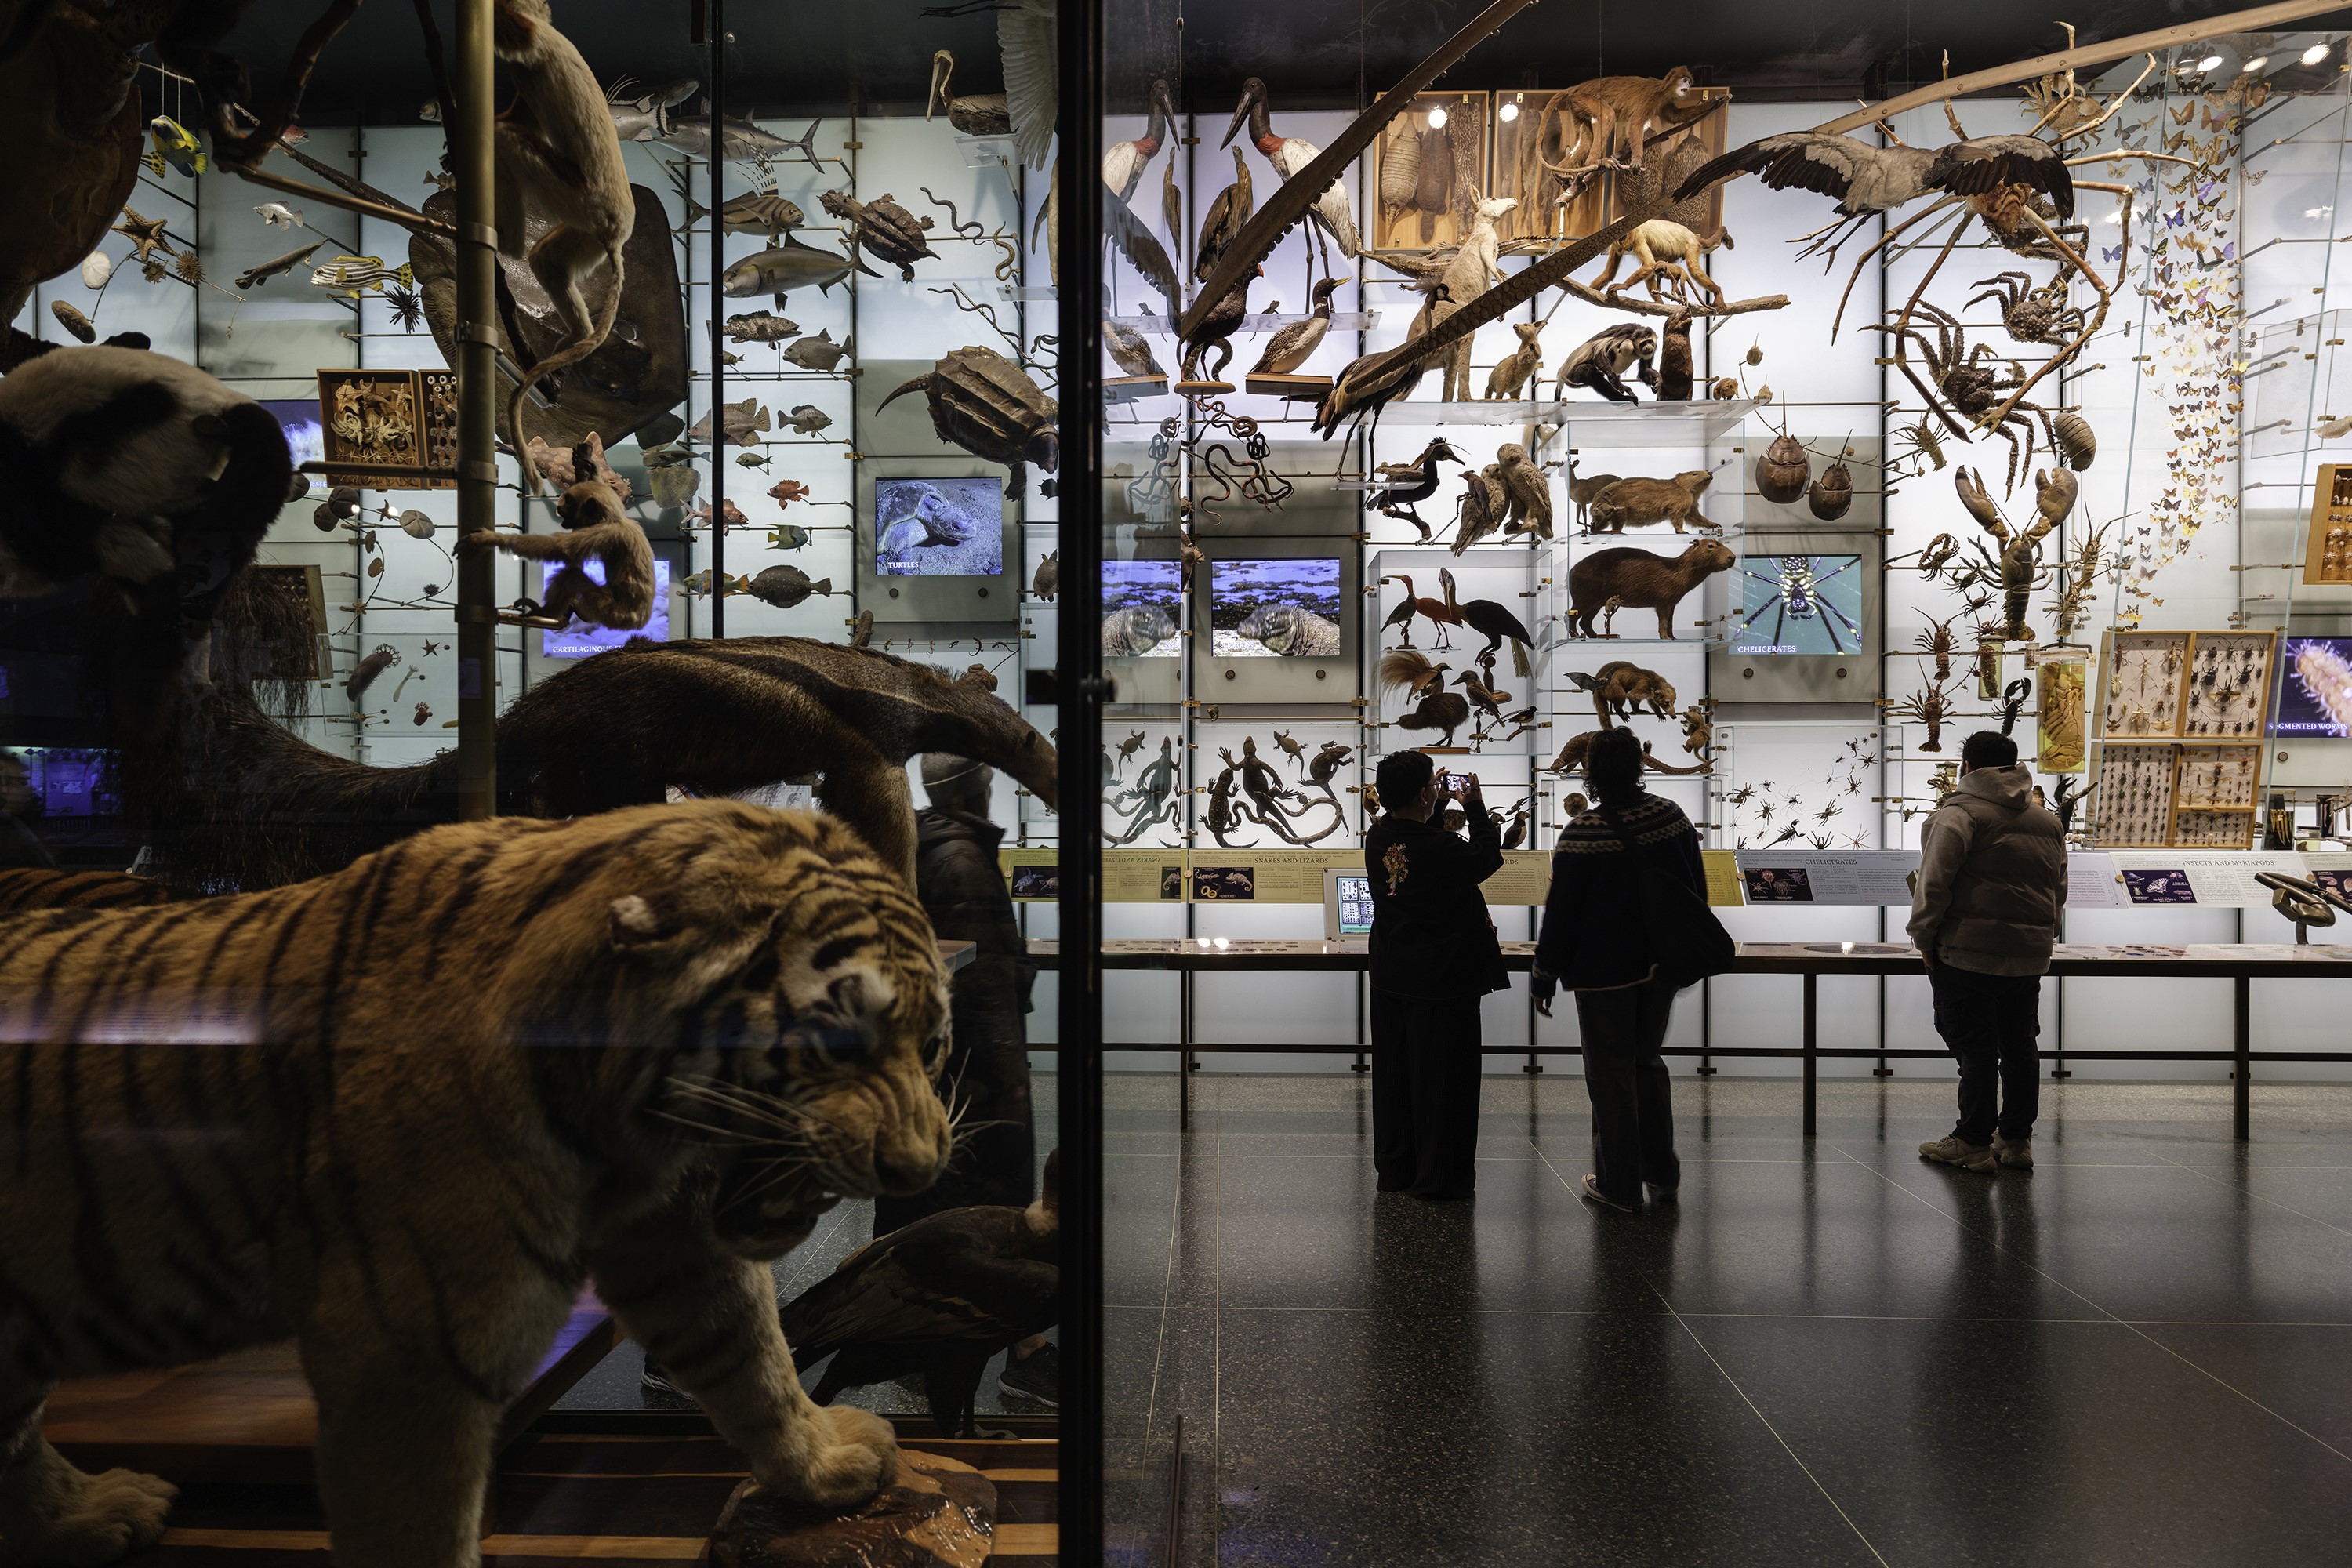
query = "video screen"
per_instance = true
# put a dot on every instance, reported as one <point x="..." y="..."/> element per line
<point x="2314" y="695"/>
<point x="298" y="418"/>
<point x="1276" y="608"/>
<point x="1142" y="609"/>
<point x="1799" y="603"/>
<point x="68" y="782"/>
<point x="580" y="639"/>
<point x="1355" y="903"/>
<point x="939" y="527"/>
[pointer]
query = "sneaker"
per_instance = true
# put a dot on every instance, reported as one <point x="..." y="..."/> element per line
<point x="1967" y="1156"/>
<point x="1036" y="1378"/>
<point x="1659" y="1194"/>
<point x="2015" y="1153"/>
<point x="1591" y="1186"/>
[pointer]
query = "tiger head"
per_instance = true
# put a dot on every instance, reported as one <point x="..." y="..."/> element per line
<point x="805" y="1013"/>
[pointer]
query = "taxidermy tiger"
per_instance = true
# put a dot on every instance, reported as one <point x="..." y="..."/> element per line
<point x="402" y="1113"/>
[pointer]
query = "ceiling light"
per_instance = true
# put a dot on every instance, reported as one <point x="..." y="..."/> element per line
<point x="2257" y="63"/>
<point x="2210" y="63"/>
<point x="1508" y="113"/>
<point x="1437" y="119"/>
<point x="2314" y="55"/>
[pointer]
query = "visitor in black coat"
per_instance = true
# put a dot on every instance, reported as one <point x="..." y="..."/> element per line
<point x="1593" y="943"/>
<point x="20" y="847"/>
<point x="1433" y="955"/>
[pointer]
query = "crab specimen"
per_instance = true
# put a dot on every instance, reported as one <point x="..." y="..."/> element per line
<point x="2032" y="315"/>
<point x="1963" y="383"/>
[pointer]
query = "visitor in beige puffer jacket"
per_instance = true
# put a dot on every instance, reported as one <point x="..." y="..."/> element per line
<point x="1985" y="908"/>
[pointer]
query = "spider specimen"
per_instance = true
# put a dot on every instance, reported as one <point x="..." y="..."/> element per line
<point x="1963" y="384"/>
<point x="2031" y="315"/>
<point x="1795" y="590"/>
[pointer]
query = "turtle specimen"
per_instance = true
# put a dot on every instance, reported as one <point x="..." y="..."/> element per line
<point x="888" y="231"/>
<point x="985" y="404"/>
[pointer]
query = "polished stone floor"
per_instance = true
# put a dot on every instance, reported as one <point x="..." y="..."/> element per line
<point x="1827" y="1352"/>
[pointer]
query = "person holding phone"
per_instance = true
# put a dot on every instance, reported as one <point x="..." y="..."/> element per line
<point x="1433" y="955"/>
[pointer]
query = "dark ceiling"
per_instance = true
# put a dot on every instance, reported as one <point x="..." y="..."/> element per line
<point x="875" y="55"/>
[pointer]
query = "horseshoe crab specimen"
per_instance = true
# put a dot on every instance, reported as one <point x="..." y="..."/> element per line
<point x="888" y="231"/>
<point x="985" y="404"/>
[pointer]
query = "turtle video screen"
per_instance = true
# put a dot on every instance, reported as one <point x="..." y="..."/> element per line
<point x="1142" y="609"/>
<point x="1799" y="603"/>
<point x="2314" y="695"/>
<point x="939" y="527"/>
<point x="299" y="419"/>
<point x="580" y="639"/>
<point x="1278" y="607"/>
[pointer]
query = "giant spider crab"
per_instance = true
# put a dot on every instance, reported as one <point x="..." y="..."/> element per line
<point x="2025" y="223"/>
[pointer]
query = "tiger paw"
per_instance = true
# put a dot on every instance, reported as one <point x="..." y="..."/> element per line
<point x="854" y="1454"/>
<point x="95" y="1519"/>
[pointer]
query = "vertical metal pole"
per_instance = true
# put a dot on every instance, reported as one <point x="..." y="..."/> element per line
<point x="1082" y="695"/>
<point x="1812" y="1061"/>
<point x="2242" y="1081"/>
<point x="477" y="400"/>
<point x="716" y="18"/>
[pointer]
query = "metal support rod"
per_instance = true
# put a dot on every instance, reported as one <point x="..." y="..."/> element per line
<point x="716" y="19"/>
<point x="1082" y="692"/>
<point x="477" y="400"/>
<point x="1184" y="1052"/>
<point x="1812" y="1058"/>
<point x="2243" y="1073"/>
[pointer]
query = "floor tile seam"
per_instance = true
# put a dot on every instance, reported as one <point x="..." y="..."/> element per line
<point x="1766" y="1421"/>
<point x="2206" y="1372"/>
<point x="2249" y="1192"/>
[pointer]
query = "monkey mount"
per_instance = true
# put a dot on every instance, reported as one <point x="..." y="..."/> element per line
<point x="638" y="375"/>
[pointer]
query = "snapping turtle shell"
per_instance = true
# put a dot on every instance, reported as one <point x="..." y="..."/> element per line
<point x="985" y="404"/>
<point x="888" y="231"/>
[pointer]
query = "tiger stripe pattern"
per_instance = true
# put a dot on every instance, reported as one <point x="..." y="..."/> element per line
<point x="401" y="1114"/>
<point x="37" y="887"/>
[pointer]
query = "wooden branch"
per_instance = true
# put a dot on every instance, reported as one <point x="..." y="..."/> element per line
<point x="435" y="59"/>
<point x="415" y="222"/>
<point x="1613" y="302"/>
<point x="243" y="154"/>
<point x="1290" y="203"/>
<point x="2260" y="19"/>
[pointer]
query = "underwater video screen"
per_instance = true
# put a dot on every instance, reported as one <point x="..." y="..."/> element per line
<point x="939" y="527"/>
<point x="580" y="639"/>
<point x="1799" y="603"/>
<point x="298" y="418"/>
<point x="1142" y="609"/>
<point x="1276" y="609"/>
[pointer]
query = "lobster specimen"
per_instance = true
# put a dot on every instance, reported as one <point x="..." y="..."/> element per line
<point x="2076" y="578"/>
<point x="2018" y="563"/>
<point x="1930" y="706"/>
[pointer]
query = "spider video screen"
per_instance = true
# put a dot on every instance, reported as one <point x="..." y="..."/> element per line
<point x="580" y="639"/>
<point x="939" y="527"/>
<point x="2314" y="695"/>
<point x="1142" y="609"/>
<point x="1799" y="604"/>
<point x="1275" y="607"/>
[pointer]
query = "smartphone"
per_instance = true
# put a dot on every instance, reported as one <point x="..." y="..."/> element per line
<point x="1456" y="786"/>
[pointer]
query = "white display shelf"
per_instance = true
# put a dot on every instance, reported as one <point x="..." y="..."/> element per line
<point x="1161" y="326"/>
<point x="1596" y="425"/>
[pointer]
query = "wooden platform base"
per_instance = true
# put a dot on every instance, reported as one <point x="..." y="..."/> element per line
<point x="250" y="1417"/>
<point x="1309" y="389"/>
<point x="1131" y="388"/>
<point x="619" y="1498"/>
<point x="1202" y="388"/>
